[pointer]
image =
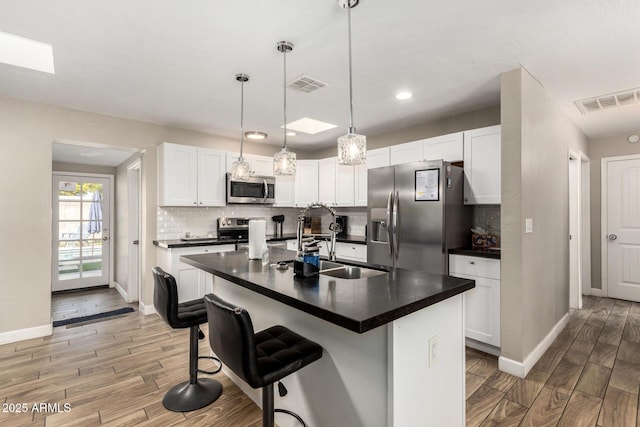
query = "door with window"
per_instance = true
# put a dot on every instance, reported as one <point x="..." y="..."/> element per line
<point x="623" y="228"/>
<point x="81" y="206"/>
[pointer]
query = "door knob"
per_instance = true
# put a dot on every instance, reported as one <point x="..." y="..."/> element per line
<point x="612" y="236"/>
<point x="105" y="238"/>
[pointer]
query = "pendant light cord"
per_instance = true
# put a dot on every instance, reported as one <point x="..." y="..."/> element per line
<point x="241" y="117"/>
<point x="351" y="128"/>
<point x="284" y="86"/>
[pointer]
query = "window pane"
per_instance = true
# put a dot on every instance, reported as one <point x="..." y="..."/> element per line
<point x="69" y="230"/>
<point x="68" y="270"/>
<point x="69" y="210"/>
<point x="68" y="188"/>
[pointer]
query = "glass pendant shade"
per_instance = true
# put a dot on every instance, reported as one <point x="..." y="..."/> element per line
<point x="284" y="162"/>
<point x="240" y="169"/>
<point x="352" y="149"/>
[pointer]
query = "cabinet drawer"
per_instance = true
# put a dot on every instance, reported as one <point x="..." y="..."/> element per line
<point x="474" y="266"/>
<point x="351" y="251"/>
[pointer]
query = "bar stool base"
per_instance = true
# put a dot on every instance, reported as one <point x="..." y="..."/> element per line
<point x="186" y="397"/>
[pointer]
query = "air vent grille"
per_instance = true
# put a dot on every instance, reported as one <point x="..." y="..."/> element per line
<point x="306" y="84"/>
<point x="607" y="102"/>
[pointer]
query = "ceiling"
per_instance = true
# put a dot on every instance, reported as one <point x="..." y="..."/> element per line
<point x="173" y="63"/>
<point x="90" y="154"/>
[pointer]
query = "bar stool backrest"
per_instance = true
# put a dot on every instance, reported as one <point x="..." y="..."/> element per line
<point x="165" y="296"/>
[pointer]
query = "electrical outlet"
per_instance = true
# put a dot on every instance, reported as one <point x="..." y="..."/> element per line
<point x="433" y="350"/>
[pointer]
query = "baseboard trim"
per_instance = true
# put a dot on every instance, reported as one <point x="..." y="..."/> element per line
<point x="121" y="291"/>
<point x="596" y="292"/>
<point x="26" y="334"/>
<point x="521" y="369"/>
<point x="146" y="309"/>
<point x="486" y="348"/>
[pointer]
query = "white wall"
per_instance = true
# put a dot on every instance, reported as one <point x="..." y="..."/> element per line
<point x="27" y="131"/>
<point x="536" y="137"/>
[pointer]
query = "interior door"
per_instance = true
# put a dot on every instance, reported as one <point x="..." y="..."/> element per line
<point x="623" y="229"/>
<point x="81" y="206"/>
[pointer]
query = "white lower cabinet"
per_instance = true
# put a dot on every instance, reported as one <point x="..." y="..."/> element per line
<point x="482" y="303"/>
<point x="191" y="281"/>
<point x="345" y="251"/>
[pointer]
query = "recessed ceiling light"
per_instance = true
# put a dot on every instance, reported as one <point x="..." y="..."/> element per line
<point x="633" y="138"/>
<point x="255" y="135"/>
<point x="289" y="133"/>
<point x="309" y="126"/>
<point x="403" y="95"/>
<point x="26" y="53"/>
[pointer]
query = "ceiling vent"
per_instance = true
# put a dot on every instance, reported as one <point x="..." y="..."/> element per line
<point x="607" y="102"/>
<point x="306" y="84"/>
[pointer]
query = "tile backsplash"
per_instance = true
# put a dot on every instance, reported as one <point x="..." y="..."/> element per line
<point x="173" y="222"/>
<point x="487" y="217"/>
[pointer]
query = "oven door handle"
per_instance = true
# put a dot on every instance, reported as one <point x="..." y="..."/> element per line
<point x="265" y="189"/>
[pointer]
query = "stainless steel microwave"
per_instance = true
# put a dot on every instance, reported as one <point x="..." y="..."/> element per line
<point x="255" y="189"/>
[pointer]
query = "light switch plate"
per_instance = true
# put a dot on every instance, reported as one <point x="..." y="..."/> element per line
<point x="528" y="225"/>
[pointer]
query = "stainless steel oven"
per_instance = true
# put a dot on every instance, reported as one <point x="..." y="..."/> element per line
<point x="255" y="190"/>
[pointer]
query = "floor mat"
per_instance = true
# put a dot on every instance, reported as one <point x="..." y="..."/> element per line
<point x="92" y="317"/>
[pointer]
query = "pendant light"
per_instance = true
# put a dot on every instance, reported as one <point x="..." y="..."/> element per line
<point x="240" y="169"/>
<point x="352" y="148"/>
<point x="284" y="161"/>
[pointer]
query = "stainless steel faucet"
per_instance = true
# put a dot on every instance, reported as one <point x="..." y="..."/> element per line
<point x="332" y="227"/>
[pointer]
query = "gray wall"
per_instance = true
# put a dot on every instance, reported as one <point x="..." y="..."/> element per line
<point x="536" y="137"/>
<point x="26" y="133"/>
<point x="599" y="148"/>
<point x="471" y="120"/>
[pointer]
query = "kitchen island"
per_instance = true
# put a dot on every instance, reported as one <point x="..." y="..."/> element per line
<point x="393" y="343"/>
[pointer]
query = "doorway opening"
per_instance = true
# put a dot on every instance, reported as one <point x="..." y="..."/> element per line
<point x="579" y="229"/>
<point x="82" y="211"/>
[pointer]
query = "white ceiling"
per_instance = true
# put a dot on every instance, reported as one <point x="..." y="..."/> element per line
<point x="90" y="154"/>
<point x="173" y="63"/>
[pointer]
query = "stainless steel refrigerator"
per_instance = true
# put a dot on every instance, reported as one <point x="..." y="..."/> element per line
<point x="415" y="214"/>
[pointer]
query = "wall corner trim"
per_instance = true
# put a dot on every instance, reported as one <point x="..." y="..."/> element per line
<point x="146" y="309"/>
<point x="596" y="292"/>
<point x="521" y="369"/>
<point x="121" y="291"/>
<point x="26" y="334"/>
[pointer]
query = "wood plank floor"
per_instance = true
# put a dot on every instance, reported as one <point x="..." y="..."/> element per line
<point x="115" y="372"/>
<point x="590" y="376"/>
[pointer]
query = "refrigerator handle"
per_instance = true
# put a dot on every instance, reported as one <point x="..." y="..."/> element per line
<point x="389" y="235"/>
<point x="396" y="242"/>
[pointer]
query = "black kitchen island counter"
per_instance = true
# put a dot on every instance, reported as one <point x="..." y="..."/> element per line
<point x="212" y="241"/>
<point x="358" y="305"/>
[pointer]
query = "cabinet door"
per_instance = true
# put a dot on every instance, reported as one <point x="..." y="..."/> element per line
<point x="406" y="153"/>
<point x="482" y="310"/>
<point x="351" y="251"/>
<point x="482" y="166"/>
<point x="177" y="175"/>
<point x="378" y="157"/>
<point x="187" y="283"/>
<point x="345" y="185"/>
<point x="306" y="187"/>
<point x="360" y="176"/>
<point x="327" y="173"/>
<point x="211" y="177"/>
<point x="285" y="191"/>
<point x="446" y="147"/>
<point x="261" y="165"/>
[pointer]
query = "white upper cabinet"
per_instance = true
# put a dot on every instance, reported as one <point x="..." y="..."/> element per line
<point x="190" y="176"/>
<point x="482" y="166"/>
<point x="260" y="165"/>
<point x="378" y="157"/>
<point x="406" y="153"/>
<point x="306" y="182"/>
<point x="327" y="173"/>
<point x="211" y="179"/>
<point x="285" y="191"/>
<point x="446" y="147"/>
<point x="361" y="184"/>
<point x="345" y="185"/>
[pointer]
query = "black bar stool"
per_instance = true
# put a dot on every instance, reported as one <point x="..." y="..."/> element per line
<point x="259" y="359"/>
<point x="195" y="393"/>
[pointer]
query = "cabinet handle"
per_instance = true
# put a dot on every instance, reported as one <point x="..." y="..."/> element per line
<point x="472" y="262"/>
<point x="195" y="203"/>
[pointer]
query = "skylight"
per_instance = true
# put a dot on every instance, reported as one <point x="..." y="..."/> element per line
<point x="309" y="126"/>
<point x="26" y="53"/>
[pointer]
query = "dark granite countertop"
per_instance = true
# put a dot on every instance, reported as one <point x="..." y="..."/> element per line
<point x="359" y="305"/>
<point x="179" y="243"/>
<point x="482" y="253"/>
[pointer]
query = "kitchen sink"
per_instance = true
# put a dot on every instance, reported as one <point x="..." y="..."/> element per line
<point x="340" y="271"/>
